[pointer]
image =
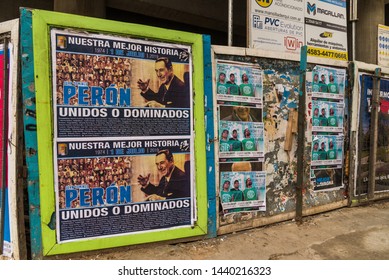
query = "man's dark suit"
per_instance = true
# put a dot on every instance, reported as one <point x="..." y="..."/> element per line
<point x="177" y="187"/>
<point x="177" y="96"/>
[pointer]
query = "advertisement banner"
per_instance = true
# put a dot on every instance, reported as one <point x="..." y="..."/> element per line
<point x="123" y="135"/>
<point x="286" y="25"/>
<point x="242" y="191"/>
<point x="326" y="28"/>
<point x="239" y="83"/>
<point x="383" y="45"/>
<point x="276" y="25"/>
<point x="382" y="162"/>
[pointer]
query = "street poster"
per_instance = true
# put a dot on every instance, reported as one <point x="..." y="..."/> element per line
<point x="327" y="178"/>
<point x="327" y="150"/>
<point x="382" y="161"/>
<point x="327" y="116"/>
<point x="328" y="82"/>
<point x="241" y="140"/>
<point x="239" y="83"/>
<point x="326" y="28"/>
<point x="123" y="135"/>
<point x="383" y="45"/>
<point x="241" y="134"/>
<point x="276" y="25"/>
<point x="242" y="191"/>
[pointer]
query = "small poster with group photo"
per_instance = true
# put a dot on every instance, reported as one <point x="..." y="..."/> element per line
<point x="241" y="141"/>
<point x="239" y="83"/>
<point x="327" y="150"/>
<point x="328" y="82"/>
<point x="242" y="191"/>
<point x="327" y="116"/>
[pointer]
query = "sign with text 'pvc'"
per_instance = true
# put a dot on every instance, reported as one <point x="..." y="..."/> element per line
<point x="286" y="25"/>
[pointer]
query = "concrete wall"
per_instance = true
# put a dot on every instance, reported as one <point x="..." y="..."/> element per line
<point x="370" y="14"/>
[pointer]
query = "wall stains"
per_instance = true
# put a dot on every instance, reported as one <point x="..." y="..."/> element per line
<point x="281" y="85"/>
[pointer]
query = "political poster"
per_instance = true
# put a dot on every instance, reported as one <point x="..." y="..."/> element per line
<point x="382" y="161"/>
<point x="123" y="135"/>
<point x="239" y="83"/>
<point x="276" y="25"/>
<point x="241" y="141"/>
<point x="242" y="191"/>
<point x="326" y="29"/>
<point x="327" y="116"/>
<point x="327" y="150"/>
<point x="328" y="83"/>
<point x="325" y="179"/>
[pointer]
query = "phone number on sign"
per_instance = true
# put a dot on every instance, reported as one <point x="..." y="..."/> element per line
<point x="325" y="53"/>
<point x="241" y="271"/>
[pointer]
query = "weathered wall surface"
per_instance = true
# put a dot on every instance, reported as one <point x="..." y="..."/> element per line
<point x="280" y="94"/>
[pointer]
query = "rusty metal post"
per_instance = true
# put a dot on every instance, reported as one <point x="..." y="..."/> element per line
<point x="301" y="136"/>
<point x="375" y="105"/>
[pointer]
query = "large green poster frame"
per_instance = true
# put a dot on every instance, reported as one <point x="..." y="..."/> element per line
<point x="42" y="22"/>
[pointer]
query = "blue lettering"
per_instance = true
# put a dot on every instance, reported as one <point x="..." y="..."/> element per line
<point x="125" y="96"/>
<point x="111" y="96"/>
<point x="82" y="96"/>
<point x="68" y="92"/>
<point x="70" y="196"/>
<point x="84" y="198"/>
<point x="112" y="195"/>
<point x="97" y="95"/>
<point x="97" y="196"/>
<point x="125" y="194"/>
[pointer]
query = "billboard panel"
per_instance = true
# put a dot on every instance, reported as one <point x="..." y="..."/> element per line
<point x="117" y="102"/>
<point x="286" y="25"/>
<point x="117" y="151"/>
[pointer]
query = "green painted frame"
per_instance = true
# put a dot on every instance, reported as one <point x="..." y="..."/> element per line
<point x="42" y="22"/>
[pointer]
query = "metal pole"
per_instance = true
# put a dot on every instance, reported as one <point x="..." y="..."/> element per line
<point x="230" y="22"/>
<point x="353" y="19"/>
<point x="301" y="136"/>
<point x="4" y="146"/>
<point x="375" y="104"/>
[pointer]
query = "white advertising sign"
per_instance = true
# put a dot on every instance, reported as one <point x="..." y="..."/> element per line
<point x="276" y="25"/>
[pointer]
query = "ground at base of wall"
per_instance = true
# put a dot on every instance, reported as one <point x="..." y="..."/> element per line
<point x="346" y="234"/>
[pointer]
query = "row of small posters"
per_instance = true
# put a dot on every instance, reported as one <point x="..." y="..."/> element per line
<point x="326" y="88"/>
<point x="239" y="94"/>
